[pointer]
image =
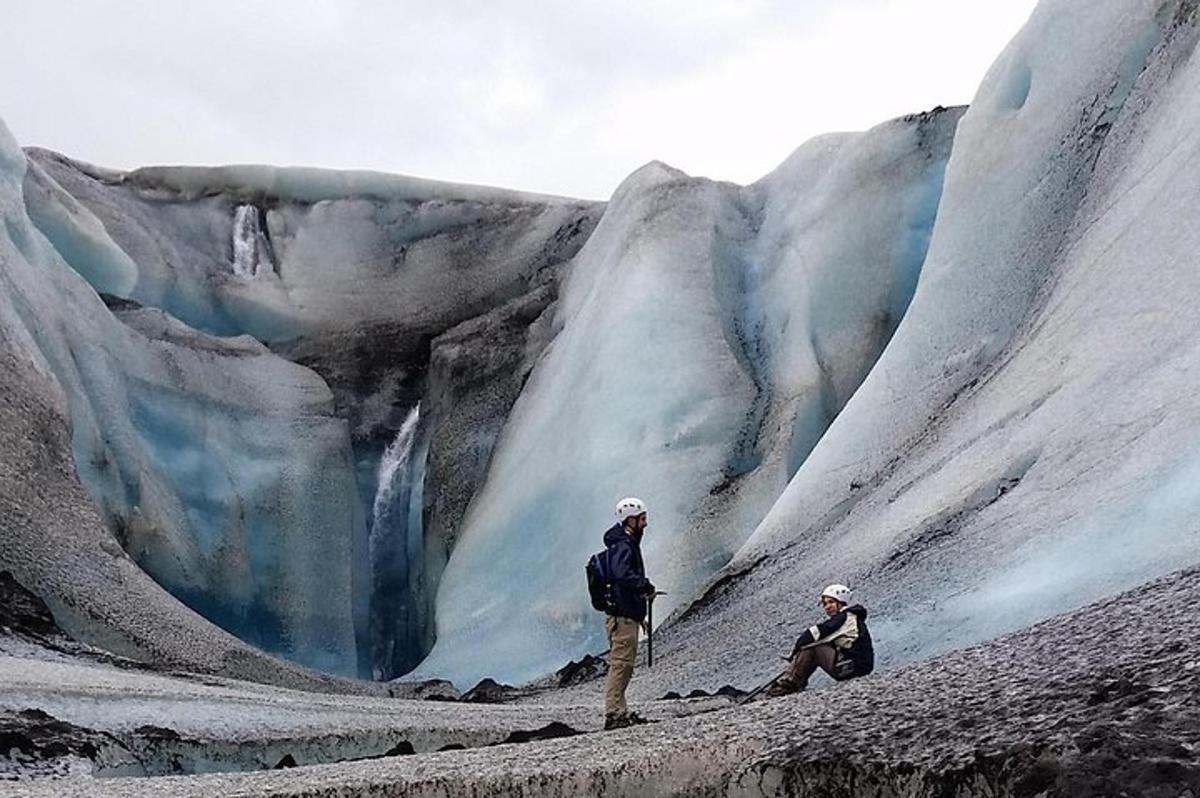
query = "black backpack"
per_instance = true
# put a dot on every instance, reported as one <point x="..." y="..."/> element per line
<point x="599" y="586"/>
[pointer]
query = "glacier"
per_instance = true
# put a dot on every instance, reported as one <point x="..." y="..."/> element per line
<point x="244" y="479"/>
<point x="800" y="283"/>
<point x="709" y="334"/>
<point x="291" y="426"/>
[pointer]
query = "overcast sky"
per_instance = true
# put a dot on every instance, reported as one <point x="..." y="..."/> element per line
<point x="561" y="97"/>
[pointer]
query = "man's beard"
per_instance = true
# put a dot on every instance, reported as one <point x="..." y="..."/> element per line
<point x="637" y="536"/>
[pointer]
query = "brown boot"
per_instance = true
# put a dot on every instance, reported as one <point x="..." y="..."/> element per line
<point x="783" y="686"/>
<point x="615" y="722"/>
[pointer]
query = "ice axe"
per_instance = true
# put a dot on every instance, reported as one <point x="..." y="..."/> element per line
<point x="650" y="627"/>
<point x="753" y="694"/>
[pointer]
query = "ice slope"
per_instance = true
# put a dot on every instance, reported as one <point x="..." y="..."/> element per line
<point x="708" y="335"/>
<point x="86" y="393"/>
<point x="1027" y="442"/>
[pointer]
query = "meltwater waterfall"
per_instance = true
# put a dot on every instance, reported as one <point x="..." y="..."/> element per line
<point x="249" y="244"/>
<point x="396" y="550"/>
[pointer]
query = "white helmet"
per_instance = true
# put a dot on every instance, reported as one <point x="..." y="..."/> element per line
<point x="630" y="508"/>
<point x="837" y="593"/>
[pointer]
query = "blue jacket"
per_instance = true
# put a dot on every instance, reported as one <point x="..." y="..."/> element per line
<point x="847" y="633"/>
<point x="627" y="572"/>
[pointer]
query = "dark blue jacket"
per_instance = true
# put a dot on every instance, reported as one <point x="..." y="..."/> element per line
<point x="627" y="572"/>
<point x="847" y="632"/>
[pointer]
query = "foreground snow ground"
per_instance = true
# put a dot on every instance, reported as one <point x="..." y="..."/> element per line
<point x="1066" y="707"/>
<point x="950" y="361"/>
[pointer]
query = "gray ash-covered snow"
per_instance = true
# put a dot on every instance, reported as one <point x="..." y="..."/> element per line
<point x="1103" y="701"/>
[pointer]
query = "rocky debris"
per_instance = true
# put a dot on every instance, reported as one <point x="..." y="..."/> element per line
<point x="428" y="690"/>
<point x="440" y="691"/>
<point x="34" y="744"/>
<point x="288" y="761"/>
<point x="489" y="691"/>
<point x="583" y="670"/>
<point x="157" y="734"/>
<point x="117" y="304"/>
<point x="726" y="691"/>
<point x="550" y="731"/>
<point x="23" y="613"/>
<point x="402" y="748"/>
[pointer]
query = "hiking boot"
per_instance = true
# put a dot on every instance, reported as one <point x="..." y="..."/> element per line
<point x="615" y="722"/>
<point x="621" y="721"/>
<point x="781" y="687"/>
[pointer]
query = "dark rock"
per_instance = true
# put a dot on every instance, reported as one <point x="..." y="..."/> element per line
<point x="550" y="731"/>
<point x="1114" y="689"/>
<point x="489" y="691"/>
<point x="431" y="690"/>
<point x="23" y="612"/>
<point x="729" y="691"/>
<point x="288" y="761"/>
<point x="578" y="672"/>
<point x="118" y="303"/>
<point x="41" y="737"/>
<point x="453" y="747"/>
<point x="402" y="748"/>
<point x="671" y="696"/>
<point x="157" y="734"/>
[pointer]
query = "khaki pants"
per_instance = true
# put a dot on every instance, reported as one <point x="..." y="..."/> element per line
<point x="622" y="642"/>
<point x="806" y="662"/>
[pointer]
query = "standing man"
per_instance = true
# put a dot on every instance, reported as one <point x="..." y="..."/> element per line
<point x="628" y="591"/>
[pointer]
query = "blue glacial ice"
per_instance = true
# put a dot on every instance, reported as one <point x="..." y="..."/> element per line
<point x="218" y="467"/>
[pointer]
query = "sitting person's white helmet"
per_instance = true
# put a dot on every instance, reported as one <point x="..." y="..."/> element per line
<point x="837" y="593"/>
<point x="630" y="508"/>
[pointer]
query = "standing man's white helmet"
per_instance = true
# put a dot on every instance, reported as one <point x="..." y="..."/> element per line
<point x="630" y="508"/>
<point x="837" y="593"/>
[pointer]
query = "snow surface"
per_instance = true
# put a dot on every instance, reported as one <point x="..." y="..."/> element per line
<point x="1068" y="707"/>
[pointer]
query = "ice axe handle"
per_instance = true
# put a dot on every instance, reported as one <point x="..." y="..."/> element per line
<point x="650" y="627"/>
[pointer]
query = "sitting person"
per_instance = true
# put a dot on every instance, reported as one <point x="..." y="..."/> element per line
<point x="839" y="645"/>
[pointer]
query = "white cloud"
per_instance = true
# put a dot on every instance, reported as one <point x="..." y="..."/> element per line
<point x="551" y="96"/>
